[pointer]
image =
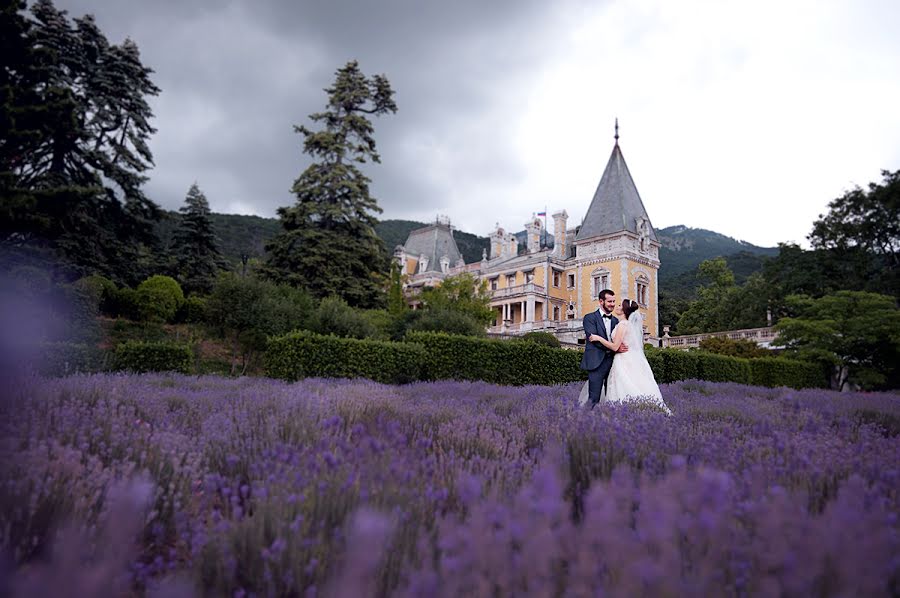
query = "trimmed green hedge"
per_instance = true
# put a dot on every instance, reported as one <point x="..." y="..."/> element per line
<point x="458" y="357"/>
<point x="305" y="354"/>
<point x="441" y="356"/>
<point x="773" y="371"/>
<point x="722" y="368"/>
<point x="674" y="365"/>
<point x="141" y="356"/>
<point x="671" y="365"/>
<point x="62" y="359"/>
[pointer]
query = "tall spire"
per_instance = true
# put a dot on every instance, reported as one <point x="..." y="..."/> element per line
<point x="617" y="131"/>
<point x="616" y="205"/>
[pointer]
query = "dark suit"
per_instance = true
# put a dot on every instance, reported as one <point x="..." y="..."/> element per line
<point x="597" y="359"/>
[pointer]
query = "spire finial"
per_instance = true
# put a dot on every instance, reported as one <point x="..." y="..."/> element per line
<point x="617" y="131"/>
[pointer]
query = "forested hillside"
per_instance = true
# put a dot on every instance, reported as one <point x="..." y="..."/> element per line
<point x="237" y="234"/>
<point x="683" y="248"/>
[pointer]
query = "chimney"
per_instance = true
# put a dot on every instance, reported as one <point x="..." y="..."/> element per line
<point x="497" y="240"/>
<point x="559" y="235"/>
<point x="400" y="258"/>
<point x="512" y="245"/>
<point x="533" y="235"/>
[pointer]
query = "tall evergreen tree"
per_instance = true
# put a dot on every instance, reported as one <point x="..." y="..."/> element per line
<point x="328" y="243"/>
<point x="194" y="245"/>
<point x="81" y="165"/>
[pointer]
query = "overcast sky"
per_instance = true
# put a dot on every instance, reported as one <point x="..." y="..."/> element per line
<point x="745" y="118"/>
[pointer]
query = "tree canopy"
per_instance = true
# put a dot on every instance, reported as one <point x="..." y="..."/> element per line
<point x="464" y="294"/>
<point x="75" y="147"/>
<point x="855" y="332"/>
<point x="721" y="304"/>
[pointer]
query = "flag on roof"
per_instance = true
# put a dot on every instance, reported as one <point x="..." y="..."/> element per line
<point x="542" y="213"/>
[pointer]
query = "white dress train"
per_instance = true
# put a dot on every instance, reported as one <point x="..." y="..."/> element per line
<point x="630" y="379"/>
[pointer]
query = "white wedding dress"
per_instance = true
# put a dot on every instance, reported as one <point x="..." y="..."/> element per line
<point x="630" y="379"/>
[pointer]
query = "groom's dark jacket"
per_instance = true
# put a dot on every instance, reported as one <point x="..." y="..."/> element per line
<point x="595" y="353"/>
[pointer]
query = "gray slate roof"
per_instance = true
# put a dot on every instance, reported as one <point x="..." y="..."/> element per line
<point x="435" y="241"/>
<point x="616" y="204"/>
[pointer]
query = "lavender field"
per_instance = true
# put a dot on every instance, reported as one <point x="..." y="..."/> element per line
<point x="165" y="485"/>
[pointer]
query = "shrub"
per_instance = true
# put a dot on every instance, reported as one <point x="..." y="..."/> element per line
<point x="192" y="311"/>
<point x="62" y="359"/>
<point x="734" y="348"/>
<point x="441" y="320"/>
<point x="305" y="354"/>
<point x="778" y="371"/>
<point x="100" y="289"/>
<point x="285" y="308"/>
<point x="542" y="338"/>
<point x="79" y="307"/>
<point x="140" y="356"/>
<point x="123" y="303"/>
<point x="334" y="316"/>
<point x="158" y="298"/>
<point x="381" y="322"/>
<point x="501" y="362"/>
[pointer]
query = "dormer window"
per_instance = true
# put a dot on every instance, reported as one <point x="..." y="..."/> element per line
<point x="445" y="264"/>
<point x="423" y="263"/>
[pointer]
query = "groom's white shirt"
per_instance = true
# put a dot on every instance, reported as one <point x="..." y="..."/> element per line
<point x="607" y="322"/>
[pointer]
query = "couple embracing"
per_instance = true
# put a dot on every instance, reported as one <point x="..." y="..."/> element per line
<point x="614" y="358"/>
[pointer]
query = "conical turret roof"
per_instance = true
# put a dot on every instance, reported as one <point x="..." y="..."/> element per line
<point x="617" y="204"/>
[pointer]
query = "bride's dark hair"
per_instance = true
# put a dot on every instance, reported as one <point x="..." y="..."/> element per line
<point x="629" y="307"/>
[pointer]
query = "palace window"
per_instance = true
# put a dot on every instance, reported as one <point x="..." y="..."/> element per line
<point x="571" y="281"/>
<point x="557" y="278"/>
<point x="495" y="283"/>
<point x="600" y="279"/>
<point x="529" y="277"/>
<point x="642" y="294"/>
<point x="556" y="312"/>
<point x="510" y="280"/>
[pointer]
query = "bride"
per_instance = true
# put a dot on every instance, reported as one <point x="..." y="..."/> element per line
<point x="630" y="378"/>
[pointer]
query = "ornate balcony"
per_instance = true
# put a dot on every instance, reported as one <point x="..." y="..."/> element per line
<point x="522" y="289"/>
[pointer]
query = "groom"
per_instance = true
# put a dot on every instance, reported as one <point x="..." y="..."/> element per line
<point x="597" y="359"/>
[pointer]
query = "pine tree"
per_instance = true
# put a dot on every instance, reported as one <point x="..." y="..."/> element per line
<point x="328" y="243"/>
<point x="194" y="246"/>
<point x="80" y="167"/>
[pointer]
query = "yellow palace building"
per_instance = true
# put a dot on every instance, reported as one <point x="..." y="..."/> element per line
<point x="549" y="284"/>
